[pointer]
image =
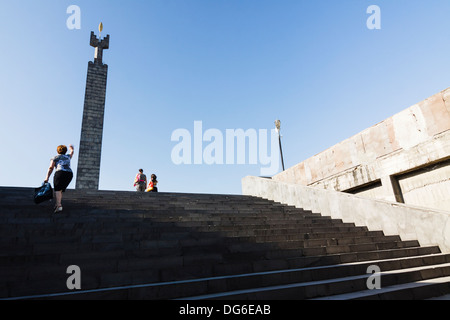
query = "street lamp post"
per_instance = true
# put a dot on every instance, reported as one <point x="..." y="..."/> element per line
<point x="278" y="126"/>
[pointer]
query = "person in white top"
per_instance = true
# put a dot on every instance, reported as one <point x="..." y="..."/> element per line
<point x="63" y="174"/>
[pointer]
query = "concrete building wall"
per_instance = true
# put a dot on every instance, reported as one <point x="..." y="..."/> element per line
<point x="376" y="162"/>
<point x="429" y="187"/>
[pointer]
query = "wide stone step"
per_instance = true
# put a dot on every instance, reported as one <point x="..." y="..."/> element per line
<point x="313" y="289"/>
<point x="415" y="290"/>
<point x="15" y="213"/>
<point x="18" y="215"/>
<point x="160" y="230"/>
<point x="23" y="227"/>
<point x="298" y="262"/>
<point x="159" y="239"/>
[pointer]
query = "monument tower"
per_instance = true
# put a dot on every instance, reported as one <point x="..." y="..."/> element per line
<point x="88" y="171"/>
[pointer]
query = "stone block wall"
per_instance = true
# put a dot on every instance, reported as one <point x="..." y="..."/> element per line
<point x="89" y="159"/>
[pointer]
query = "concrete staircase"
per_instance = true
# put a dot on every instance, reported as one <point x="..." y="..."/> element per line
<point x="200" y="246"/>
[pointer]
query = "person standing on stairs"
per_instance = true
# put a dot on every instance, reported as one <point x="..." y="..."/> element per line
<point x="152" y="184"/>
<point x="140" y="181"/>
<point x="63" y="174"/>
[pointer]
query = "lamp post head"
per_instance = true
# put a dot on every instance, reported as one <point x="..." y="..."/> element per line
<point x="278" y="125"/>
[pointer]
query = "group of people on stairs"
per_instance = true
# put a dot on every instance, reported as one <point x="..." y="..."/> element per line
<point x="63" y="176"/>
<point x="140" y="182"/>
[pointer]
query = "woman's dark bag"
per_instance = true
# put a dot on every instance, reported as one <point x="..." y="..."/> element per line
<point x="43" y="193"/>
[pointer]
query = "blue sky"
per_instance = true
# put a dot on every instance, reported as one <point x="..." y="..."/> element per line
<point x="228" y="63"/>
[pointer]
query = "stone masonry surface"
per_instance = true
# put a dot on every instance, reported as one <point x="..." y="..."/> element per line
<point x="89" y="160"/>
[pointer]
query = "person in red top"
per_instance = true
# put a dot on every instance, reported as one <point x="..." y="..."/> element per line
<point x="140" y="181"/>
<point x="152" y="184"/>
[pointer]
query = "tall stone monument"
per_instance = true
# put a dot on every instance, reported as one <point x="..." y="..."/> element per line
<point x="89" y="158"/>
